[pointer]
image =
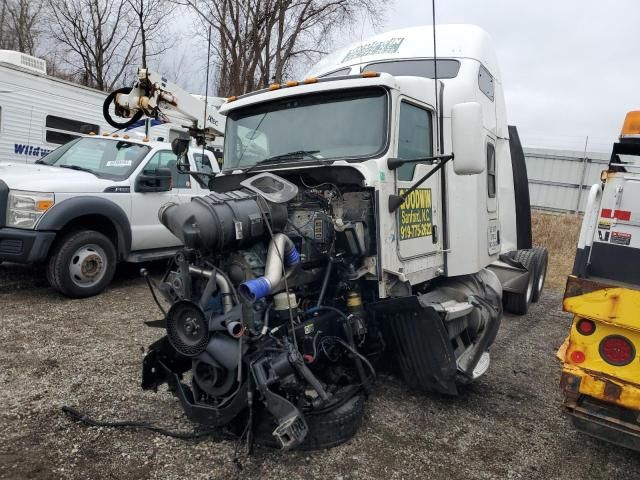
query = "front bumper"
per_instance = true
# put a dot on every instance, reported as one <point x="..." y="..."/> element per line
<point x="24" y="246"/>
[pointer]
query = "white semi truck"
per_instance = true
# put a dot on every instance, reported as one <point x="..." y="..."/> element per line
<point x="368" y="215"/>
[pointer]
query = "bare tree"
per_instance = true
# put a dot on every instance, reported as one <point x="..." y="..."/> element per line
<point x="152" y="18"/>
<point x="18" y="25"/>
<point x="259" y="41"/>
<point x="99" y="37"/>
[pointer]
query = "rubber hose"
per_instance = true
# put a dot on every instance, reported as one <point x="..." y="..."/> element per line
<point x="107" y="116"/>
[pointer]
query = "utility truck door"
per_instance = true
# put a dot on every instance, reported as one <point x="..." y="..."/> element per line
<point x="146" y="230"/>
<point x="418" y="218"/>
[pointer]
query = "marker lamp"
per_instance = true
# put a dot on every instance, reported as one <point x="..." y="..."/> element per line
<point x="24" y="209"/>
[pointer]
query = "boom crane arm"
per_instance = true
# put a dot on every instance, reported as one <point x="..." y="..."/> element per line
<point x="154" y="96"/>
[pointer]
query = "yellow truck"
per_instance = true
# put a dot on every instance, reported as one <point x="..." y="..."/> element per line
<point x="601" y="356"/>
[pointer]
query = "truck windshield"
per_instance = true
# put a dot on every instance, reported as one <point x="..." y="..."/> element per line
<point x="106" y="158"/>
<point x="347" y="124"/>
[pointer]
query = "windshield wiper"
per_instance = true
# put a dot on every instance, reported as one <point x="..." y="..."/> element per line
<point x="76" y="167"/>
<point x="285" y="157"/>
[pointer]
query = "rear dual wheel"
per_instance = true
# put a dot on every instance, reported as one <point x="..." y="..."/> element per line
<point x="535" y="260"/>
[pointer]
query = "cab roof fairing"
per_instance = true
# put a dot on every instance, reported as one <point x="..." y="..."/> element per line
<point x="453" y="42"/>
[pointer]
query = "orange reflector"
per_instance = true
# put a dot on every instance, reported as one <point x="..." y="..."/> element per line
<point x="105" y="134"/>
<point x="577" y="356"/>
<point x="232" y="98"/>
<point x="125" y="136"/>
<point x="309" y="80"/>
<point x="274" y="86"/>
<point x="44" y="205"/>
<point x="631" y="125"/>
<point x="145" y="139"/>
<point x="291" y="83"/>
<point x="115" y="135"/>
<point x="369" y="74"/>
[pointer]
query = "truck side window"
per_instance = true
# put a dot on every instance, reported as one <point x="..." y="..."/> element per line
<point x="61" y="130"/>
<point x="414" y="138"/>
<point x="202" y="163"/>
<point x="485" y="83"/>
<point x="491" y="170"/>
<point x="167" y="159"/>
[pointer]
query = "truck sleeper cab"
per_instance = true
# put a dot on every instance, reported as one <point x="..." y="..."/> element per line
<point x="600" y="372"/>
<point x="92" y="203"/>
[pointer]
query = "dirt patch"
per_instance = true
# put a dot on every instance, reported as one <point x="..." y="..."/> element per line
<point x="87" y="354"/>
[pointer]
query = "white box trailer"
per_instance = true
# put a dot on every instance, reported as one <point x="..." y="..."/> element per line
<point x="38" y="112"/>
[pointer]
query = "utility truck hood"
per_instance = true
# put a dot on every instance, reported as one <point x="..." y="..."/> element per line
<point x="44" y="178"/>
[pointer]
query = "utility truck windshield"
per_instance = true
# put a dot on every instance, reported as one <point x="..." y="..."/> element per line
<point x="105" y="158"/>
<point x="347" y="124"/>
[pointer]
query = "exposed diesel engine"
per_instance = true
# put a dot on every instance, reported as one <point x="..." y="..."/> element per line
<point x="268" y="314"/>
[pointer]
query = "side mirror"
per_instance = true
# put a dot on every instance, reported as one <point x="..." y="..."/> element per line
<point x="180" y="146"/>
<point x="159" y="181"/>
<point x="467" y="135"/>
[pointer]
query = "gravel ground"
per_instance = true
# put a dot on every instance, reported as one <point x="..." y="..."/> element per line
<point x="87" y="354"/>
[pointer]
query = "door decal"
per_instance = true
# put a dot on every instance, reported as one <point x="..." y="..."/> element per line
<point x="415" y="214"/>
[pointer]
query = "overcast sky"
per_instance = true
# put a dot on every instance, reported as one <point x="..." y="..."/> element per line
<point x="569" y="68"/>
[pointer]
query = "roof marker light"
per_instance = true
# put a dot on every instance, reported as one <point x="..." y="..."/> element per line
<point x="274" y="86"/>
<point x="369" y="74"/>
<point x="309" y="80"/>
<point x="292" y="83"/>
<point x="232" y="98"/>
<point x="92" y="133"/>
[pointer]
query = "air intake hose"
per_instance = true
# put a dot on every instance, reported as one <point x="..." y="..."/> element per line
<point x="281" y="248"/>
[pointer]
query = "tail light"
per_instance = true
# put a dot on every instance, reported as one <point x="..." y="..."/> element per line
<point x="617" y="350"/>
<point x="585" y="327"/>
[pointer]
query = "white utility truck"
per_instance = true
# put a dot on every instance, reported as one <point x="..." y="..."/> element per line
<point x="93" y="202"/>
<point x="38" y="112"/>
<point x="372" y="214"/>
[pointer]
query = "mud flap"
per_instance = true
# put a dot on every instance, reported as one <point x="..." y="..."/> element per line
<point x="420" y="344"/>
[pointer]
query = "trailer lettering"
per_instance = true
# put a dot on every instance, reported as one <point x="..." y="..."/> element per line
<point x="30" y="150"/>
<point x="415" y="214"/>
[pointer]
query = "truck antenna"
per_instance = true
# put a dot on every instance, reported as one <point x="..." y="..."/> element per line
<point x="206" y="89"/>
<point x="435" y="59"/>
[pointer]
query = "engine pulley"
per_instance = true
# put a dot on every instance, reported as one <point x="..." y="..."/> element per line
<point x="187" y="328"/>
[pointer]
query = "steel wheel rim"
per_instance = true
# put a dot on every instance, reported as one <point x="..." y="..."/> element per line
<point x="541" y="277"/>
<point x="88" y="265"/>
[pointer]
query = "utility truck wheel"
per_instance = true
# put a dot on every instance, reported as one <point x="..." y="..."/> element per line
<point x="541" y="259"/>
<point x="82" y="264"/>
<point x="518" y="302"/>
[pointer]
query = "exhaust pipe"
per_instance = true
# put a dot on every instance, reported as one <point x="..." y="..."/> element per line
<point x="281" y="248"/>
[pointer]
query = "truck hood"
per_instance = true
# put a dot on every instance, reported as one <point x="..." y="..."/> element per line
<point x="44" y="178"/>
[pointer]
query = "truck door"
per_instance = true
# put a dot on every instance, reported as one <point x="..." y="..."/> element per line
<point x="146" y="230"/>
<point x="418" y="218"/>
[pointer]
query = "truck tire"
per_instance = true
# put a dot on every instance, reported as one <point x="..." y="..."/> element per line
<point x="81" y="264"/>
<point x="518" y="302"/>
<point x="326" y="429"/>
<point x="541" y="260"/>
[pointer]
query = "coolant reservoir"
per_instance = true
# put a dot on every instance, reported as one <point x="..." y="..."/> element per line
<point x="280" y="302"/>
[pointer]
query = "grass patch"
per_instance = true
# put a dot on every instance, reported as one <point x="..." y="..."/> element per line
<point x="558" y="232"/>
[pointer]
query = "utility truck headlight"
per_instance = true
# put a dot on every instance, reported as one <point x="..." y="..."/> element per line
<point x="24" y="209"/>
